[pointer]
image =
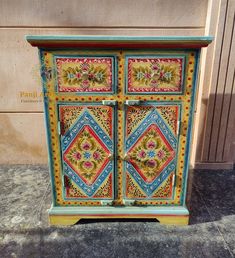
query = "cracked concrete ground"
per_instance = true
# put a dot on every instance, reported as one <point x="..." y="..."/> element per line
<point x="25" y="232"/>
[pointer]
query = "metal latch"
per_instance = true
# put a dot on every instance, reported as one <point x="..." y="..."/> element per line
<point x="106" y="202"/>
<point x="132" y="102"/>
<point x="111" y="157"/>
<point x="173" y="180"/>
<point x="109" y="102"/>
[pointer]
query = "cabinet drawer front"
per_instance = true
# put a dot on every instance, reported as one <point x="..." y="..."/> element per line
<point x="87" y="145"/>
<point x="151" y="141"/>
<point x="155" y="74"/>
<point x="85" y="74"/>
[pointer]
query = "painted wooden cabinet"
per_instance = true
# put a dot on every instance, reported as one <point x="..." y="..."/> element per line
<point x="119" y="113"/>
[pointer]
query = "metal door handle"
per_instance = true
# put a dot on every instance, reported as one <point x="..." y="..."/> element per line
<point x="109" y="102"/>
<point x="132" y="102"/>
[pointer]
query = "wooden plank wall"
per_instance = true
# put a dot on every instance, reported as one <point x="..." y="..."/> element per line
<point x="216" y="144"/>
<point x="21" y="109"/>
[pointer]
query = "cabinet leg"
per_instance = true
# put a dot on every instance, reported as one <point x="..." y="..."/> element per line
<point x="63" y="220"/>
<point x="173" y="220"/>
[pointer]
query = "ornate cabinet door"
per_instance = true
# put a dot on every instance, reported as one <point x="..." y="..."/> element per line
<point x="119" y="113"/>
<point x="87" y="144"/>
<point x="151" y="143"/>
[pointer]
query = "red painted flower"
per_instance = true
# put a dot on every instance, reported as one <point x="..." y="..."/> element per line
<point x="85" y="84"/>
<point x="154" y="83"/>
<point x="142" y="154"/>
<point x="155" y="67"/>
<point x="151" y="163"/>
<point x="161" y="75"/>
<point x="85" y="67"/>
<point x="147" y="75"/>
<point x="77" y="156"/>
<point x="96" y="155"/>
<point x="91" y="76"/>
<point x="87" y="164"/>
<point x="151" y="144"/>
<point x="86" y="146"/>
<point x="161" y="154"/>
<point x="78" y="75"/>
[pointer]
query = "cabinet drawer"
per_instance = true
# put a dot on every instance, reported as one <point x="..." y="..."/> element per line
<point x="85" y="74"/>
<point x="155" y="74"/>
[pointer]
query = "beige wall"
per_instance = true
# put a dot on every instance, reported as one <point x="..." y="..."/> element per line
<point x="22" y="128"/>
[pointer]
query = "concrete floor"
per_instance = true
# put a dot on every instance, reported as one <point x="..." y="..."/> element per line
<point x="24" y="229"/>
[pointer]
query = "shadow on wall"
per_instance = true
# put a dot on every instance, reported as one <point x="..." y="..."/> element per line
<point x="216" y="139"/>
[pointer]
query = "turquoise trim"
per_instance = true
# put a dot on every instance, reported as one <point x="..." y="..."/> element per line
<point x="47" y="128"/>
<point x="176" y="210"/>
<point x="118" y="38"/>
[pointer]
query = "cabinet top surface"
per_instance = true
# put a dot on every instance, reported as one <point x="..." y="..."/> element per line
<point x="67" y="41"/>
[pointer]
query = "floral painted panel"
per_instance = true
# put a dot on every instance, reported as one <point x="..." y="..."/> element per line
<point x="151" y="150"/>
<point x="87" y="150"/>
<point x="155" y="74"/>
<point x="85" y="74"/>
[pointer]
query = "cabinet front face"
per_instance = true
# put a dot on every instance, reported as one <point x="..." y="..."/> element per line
<point x="119" y="125"/>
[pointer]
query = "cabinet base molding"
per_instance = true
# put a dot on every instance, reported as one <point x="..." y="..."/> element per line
<point x="164" y="215"/>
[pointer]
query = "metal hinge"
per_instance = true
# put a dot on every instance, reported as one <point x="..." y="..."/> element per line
<point x="129" y="202"/>
<point x="178" y="127"/>
<point x="173" y="180"/>
<point x="59" y="128"/>
<point x="46" y="72"/>
<point x="66" y="181"/>
<point x="106" y="202"/>
<point x="111" y="157"/>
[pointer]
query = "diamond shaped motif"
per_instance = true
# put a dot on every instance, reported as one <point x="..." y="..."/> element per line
<point x="151" y="153"/>
<point x="87" y="155"/>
